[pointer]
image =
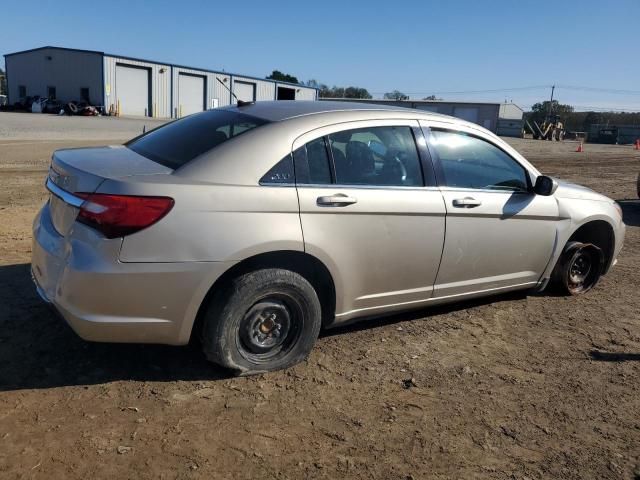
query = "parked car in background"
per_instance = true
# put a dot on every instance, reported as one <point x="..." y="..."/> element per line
<point x="254" y="226"/>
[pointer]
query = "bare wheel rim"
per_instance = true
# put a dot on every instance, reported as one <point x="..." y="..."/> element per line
<point x="269" y="328"/>
<point x="582" y="271"/>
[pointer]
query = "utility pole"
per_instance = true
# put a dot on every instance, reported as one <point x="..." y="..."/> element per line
<point x="553" y="87"/>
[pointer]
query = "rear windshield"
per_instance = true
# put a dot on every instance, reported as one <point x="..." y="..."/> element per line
<point x="177" y="143"/>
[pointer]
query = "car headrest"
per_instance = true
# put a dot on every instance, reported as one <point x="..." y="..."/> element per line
<point x="360" y="157"/>
<point x="341" y="137"/>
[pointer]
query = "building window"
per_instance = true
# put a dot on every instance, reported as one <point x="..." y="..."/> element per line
<point x="22" y="91"/>
<point x="51" y="93"/>
<point x="84" y="94"/>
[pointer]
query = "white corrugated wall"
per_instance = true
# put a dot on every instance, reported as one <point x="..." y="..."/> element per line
<point x="264" y="90"/>
<point x="306" y="93"/>
<point x="164" y="86"/>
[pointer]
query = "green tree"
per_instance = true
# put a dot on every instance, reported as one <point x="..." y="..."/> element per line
<point x="282" y="77"/>
<point x="541" y="109"/>
<point x="431" y="97"/>
<point x="590" y="119"/>
<point x="341" y="92"/>
<point x="396" y="95"/>
<point x="356" y="92"/>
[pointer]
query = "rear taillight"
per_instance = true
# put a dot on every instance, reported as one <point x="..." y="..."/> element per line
<point x="120" y="215"/>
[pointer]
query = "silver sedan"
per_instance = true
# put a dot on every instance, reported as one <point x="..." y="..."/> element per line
<point x="256" y="225"/>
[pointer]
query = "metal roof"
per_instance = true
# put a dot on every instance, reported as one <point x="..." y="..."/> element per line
<point x="382" y="101"/>
<point x="168" y="64"/>
<point x="282" y="110"/>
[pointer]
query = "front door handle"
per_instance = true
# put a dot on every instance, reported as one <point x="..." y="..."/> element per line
<point x="337" y="200"/>
<point x="466" y="202"/>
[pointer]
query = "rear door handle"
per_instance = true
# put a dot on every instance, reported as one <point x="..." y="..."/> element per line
<point x="337" y="200"/>
<point x="466" y="202"/>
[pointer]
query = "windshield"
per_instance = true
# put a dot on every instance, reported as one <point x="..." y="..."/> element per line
<point x="177" y="143"/>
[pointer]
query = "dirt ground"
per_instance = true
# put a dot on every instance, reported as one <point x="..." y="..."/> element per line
<point x="517" y="386"/>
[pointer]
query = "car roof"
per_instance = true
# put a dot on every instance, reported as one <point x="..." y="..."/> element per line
<point x="275" y="111"/>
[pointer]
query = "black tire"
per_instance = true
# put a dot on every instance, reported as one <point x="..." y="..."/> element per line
<point x="579" y="268"/>
<point x="262" y="321"/>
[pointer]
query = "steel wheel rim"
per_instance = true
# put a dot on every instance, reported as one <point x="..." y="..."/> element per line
<point x="581" y="272"/>
<point x="580" y="268"/>
<point x="269" y="328"/>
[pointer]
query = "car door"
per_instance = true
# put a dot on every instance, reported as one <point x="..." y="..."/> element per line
<point x="368" y="214"/>
<point x="499" y="234"/>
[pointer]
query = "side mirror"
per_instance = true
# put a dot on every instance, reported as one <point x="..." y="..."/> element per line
<point x="545" y="186"/>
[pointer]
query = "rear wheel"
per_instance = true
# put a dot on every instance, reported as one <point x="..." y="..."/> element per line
<point x="579" y="268"/>
<point x="263" y="320"/>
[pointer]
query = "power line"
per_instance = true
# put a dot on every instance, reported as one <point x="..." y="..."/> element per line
<point x="514" y="89"/>
<point x="607" y="109"/>
<point x="600" y="90"/>
<point x="466" y="92"/>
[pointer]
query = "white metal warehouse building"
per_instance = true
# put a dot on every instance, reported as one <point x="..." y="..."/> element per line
<point x="500" y="118"/>
<point x="133" y="86"/>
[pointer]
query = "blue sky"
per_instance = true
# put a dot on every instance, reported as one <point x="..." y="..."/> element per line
<point x="418" y="47"/>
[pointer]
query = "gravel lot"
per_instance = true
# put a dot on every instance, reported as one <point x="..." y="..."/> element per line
<point x="21" y="126"/>
<point x="514" y="386"/>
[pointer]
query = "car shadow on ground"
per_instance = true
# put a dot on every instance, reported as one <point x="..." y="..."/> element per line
<point x="38" y="350"/>
<point x="600" y="356"/>
<point x="432" y="311"/>
<point x="630" y="212"/>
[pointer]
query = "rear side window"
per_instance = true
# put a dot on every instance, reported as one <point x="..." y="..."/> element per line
<point x="177" y="143"/>
<point x="312" y="163"/>
<point x="281" y="173"/>
<point x="376" y="156"/>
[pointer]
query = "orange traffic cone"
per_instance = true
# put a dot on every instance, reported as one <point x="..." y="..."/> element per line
<point x="637" y="147"/>
<point x="580" y="148"/>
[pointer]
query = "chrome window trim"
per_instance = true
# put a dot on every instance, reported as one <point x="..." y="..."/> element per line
<point x="336" y="186"/>
<point x="63" y="194"/>
<point x="269" y="184"/>
<point x="445" y="188"/>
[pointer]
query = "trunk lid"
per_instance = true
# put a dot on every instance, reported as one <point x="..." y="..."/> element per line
<point x="82" y="170"/>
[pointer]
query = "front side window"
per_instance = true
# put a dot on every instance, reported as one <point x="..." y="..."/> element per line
<point x="382" y="156"/>
<point x="177" y="143"/>
<point x="470" y="162"/>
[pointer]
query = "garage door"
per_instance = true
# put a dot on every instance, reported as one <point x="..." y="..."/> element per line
<point x="469" y="114"/>
<point x="191" y="97"/>
<point x="285" y="93"/>
<point x="132" y="88"/>
<point x="245" y="91"/>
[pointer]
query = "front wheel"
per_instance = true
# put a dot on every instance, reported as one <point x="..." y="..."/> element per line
<point x="579" y="268"/>
<point x="263" y="320"/>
